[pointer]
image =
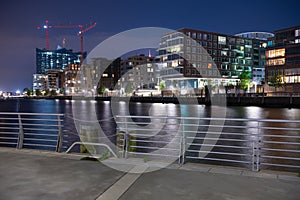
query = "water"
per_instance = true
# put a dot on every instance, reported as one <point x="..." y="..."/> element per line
<point x="102" y="112"/>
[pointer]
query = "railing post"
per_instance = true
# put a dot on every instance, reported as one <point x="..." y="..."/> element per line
<point x="21" y="133"/>
<point x="126" y="138"/>
<point x="59" y="136"/>
<point x="183" y="144"/>
<point x="256" y="150"/>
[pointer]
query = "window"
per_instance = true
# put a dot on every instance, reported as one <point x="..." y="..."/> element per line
<point x="278" y="61"/>
<point x="204" y="36"/>
<point x="275" y="53"/>
<point x="297" y="33"/>
<point x="221" y="40"/>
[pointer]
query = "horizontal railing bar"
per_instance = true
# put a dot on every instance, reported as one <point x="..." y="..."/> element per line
<point x="42" y="145"/>
<point x="9" y="138"/>
<point x="280" y="165"/>
<point x="154" y="141"/>
<point x="155" y="148"/>
<point x="39" y="139"/>
<point x="8" y="143"/>
<point x="149" y="135"/>
<point x="278" y="128"/>
<point x="280" y="136"/>
<point x="36" y="114"/>
<point x="282" y="150"/>
<point x="37" y="134"/>
<point x="10" y="128"/>
<point x="42" y="119"/>
<point x="218" y="152"/>
<point x="51" y="125"/>
<point x="153" y="154"/>
<point x="280" y="157"/>
<point x="276" y="142"/>
<point x="40" y="129"/>
<point x="140" y="129"/>
<point x="223" y="139"/>
<point x="206" y="118"/>
<point x="219" y="159"/>
<point x="8" y="123"/>
<point x="9" y="133"/>
<point x="217" y="145"/>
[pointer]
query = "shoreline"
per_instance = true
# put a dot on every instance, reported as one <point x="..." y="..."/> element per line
<point x="260" y="101"/>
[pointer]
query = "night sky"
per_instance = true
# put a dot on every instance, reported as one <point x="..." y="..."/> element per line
<point x="19" y="37"/>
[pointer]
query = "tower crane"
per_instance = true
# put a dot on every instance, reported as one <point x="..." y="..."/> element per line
<point x="82" y="30"/>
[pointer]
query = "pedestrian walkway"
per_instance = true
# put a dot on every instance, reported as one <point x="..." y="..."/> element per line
<point x="31" y="174"/>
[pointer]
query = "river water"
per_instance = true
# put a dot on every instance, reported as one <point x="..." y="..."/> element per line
<point x="105" y="111"/>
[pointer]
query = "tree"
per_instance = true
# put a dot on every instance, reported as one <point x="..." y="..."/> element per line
<point x="245" y="80"/>
<point x="101" y="90"/>
<point x="129" y="88"/>
<point x="162" y="85"/>
<point x="28" y="91"/>
<point x="53" y="93"/>
<point x="275" y="81"/>
<point x="47" y="92"/>
<point x="38" y="92"/>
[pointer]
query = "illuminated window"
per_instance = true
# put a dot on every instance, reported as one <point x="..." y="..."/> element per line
<point x="275" y="53"/>
<point x="278" y="61"/>
<point x="221" y="40"/>
<point x="209" y="65"/>
<point x="104" y="75"/>
<point x="297" y="32"/>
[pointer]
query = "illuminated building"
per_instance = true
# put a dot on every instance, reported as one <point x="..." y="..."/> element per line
<point x="54" y="79"/>
<point x="283" y="58"/>
<point x="222" y="61"/>
<point x="258" y="71"/>
<point x="39" y="82"/>
<point x="55" y="59"/>
<point x="70" y="79"/>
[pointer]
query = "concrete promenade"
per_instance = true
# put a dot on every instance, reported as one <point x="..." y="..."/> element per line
<point x="31" y="175"/>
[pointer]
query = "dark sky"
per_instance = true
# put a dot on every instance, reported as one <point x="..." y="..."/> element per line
<point x="19" y="38"/>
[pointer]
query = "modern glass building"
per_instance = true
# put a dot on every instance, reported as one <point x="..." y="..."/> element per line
<point x="283" y="58"/>
<point x="56" y="59"/>
<point x="221" y="60"/>
<point x="258" y="72"/>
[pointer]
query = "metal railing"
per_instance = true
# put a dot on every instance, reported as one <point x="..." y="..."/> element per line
<point x="252" y="143"/>
<point x="31" y="130"/>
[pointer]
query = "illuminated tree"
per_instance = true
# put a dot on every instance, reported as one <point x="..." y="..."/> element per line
<point x="245" y="80"/>
<point x="275" y="81"/>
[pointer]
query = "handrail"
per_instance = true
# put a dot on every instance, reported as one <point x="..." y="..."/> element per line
<point x="17" y="127"/>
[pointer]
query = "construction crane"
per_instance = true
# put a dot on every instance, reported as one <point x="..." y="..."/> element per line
<point x="46" y="26"/>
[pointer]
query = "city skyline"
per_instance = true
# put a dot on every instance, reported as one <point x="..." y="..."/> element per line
<point x="20" y="37"/>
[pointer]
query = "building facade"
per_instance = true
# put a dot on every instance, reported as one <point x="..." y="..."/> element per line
<point x="258" y="72"/>
<point x="283" y="58"/>
<point x="56" y="59"/>
<point x="201" y="55"/>
<point x="55" y="79"/>
<point x="40" y="82"/>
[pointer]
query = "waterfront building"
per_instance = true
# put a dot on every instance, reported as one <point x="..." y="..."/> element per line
<point x="39" y="82"/>
<point x="220" y="59"/>
<point x="139" y="71"/>
<point x="105" y="72"/>
<point x="56" y="59"/>
<point x="283" y="58"/>
<point x="55" y="79"/>
<point x="70" y="79"/>
<point x="258" y="71"/>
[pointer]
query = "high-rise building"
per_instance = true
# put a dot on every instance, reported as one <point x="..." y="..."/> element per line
<point x="56" y="59"/>
<point x="55" y="79"/>
<point x="221" y="60"/>
<point x="140" y="71"/>
<point x="39" y="82"/>
<point x="258" y="72"/>
<point x="283" y="58"/>
<point x="70" y="79"/>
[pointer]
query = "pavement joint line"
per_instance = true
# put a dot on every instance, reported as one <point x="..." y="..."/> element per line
<point x="123" y="184"/>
